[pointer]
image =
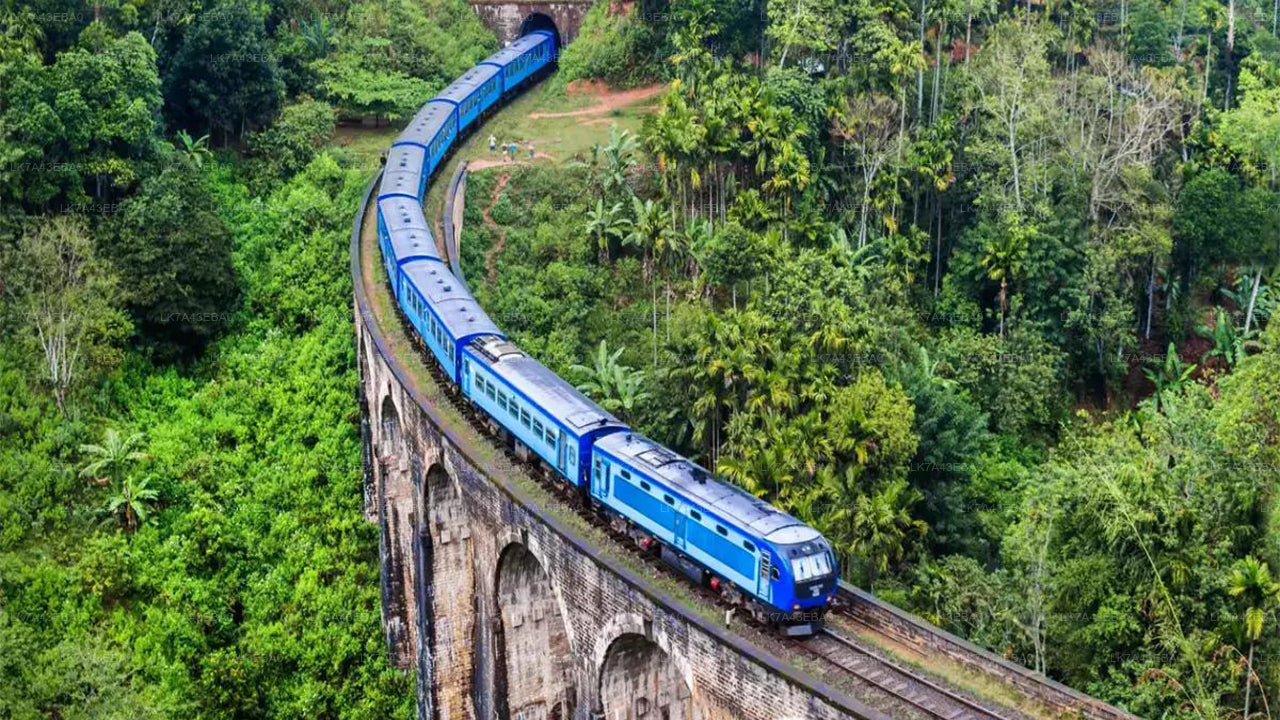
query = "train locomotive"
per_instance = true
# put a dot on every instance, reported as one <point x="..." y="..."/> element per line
<point x="721" y="537"/>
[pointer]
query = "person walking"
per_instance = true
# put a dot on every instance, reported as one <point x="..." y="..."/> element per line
<point x="531" y="150"/>
<point x="493" y="144"/>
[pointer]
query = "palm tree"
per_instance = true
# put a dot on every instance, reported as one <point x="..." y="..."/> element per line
<point x="649" y="229"/>
<point x="112" y="458"/>
<point x="606" y="224"/>
<point x="883" y="526"/>
<point x="619" y="158"/>
<point x="1003" y="257"/>
<point x="132" y="501"/>
<point x="318" y="34"/>
<point x="1250" y="579"/>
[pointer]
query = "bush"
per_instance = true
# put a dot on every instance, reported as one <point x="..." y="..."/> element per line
<point x="612" y="47"/>
<point x="292" y="140"/>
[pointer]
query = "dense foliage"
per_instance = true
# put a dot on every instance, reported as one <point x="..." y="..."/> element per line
<point x="983" y="292"/>
<point x="181" y="531"/>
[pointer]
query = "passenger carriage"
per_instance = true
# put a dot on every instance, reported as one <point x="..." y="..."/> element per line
<point x="433" y="129"/>
<point x="523" y="58"/>
<point x="403" y="236"/>
<point x="473" y="94"/>
<point x="547" y="415"/>
<point x="443" y="312"/>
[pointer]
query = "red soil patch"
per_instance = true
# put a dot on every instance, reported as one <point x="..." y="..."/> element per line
<point x="606" y="100"/>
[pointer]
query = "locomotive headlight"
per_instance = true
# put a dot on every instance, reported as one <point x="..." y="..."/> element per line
<point x="795" y="606"/>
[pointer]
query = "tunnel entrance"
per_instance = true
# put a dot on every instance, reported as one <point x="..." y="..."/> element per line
<point x="540" y="21"/>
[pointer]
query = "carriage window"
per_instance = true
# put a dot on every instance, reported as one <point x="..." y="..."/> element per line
<point x="551" y="437"/>
<point x="643" y="485"/>
<point x="627" y="475"/>
<point x="748" y="546"/>
<point x="720" y="529"/>
<point x="524" y="417"/>
<point x="489" y="390"/>
<point x="695" y="514"/>
<point x="537" y="428"/>
<point x="502" y="400"/>
<point x="668" y="499"/>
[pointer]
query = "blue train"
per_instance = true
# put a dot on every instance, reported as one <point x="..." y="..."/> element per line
<point x="723" y="538"/>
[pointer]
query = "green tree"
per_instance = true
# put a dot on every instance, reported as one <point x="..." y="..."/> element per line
<point x="174" y="253"/>
<point x="64" y="304"/>
<point x="605" y="226"/>
<point x="225" y="76"/>
<point x="82" y="123"/>
<point x="1004" y="257"/>
<point x="615" y="386"/>
<point x="1170" y="374"/>
<point x="289" y="143"/>
<point x="1253" y="130"/>
<point x="131" y="501"/>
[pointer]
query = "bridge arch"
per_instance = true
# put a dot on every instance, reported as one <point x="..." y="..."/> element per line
<point x="453" y="612"/>
<point x="533" y="659"/>
<point x="640" y="680"/>
<point x="390" y="439"/>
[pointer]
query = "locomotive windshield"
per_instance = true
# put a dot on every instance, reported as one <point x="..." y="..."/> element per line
<point x="810" y="566"/>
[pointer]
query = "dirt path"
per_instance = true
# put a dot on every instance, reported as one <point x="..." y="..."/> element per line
<point x="486" y="163"/>
<point x="607" y="101"/>
<point x="491" y="257"/>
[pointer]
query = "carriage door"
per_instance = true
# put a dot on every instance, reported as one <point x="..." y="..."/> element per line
<point x="602" y="470"/>
<point x="680" y="520"/>
<point x="561" y="455"/>
<point x="763" y="586"/>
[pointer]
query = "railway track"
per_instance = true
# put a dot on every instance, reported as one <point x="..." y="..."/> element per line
<point x="919" y="693"/>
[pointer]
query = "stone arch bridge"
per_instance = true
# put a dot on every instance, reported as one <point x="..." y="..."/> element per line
<point x="500" y="605"/>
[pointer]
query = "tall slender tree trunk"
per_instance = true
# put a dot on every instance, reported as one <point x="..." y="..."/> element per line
<point x="1248" y="680"/>
<point x="655" y="323"/>
<point x="1253" y="298"/>
<point x="1182" y="23"/>
<point x="968" y="30"/>
<point x="937" y="262"/>
<point x="1151" y="295"/>
<point x="937" y="75"/>
<point x="920" y="70"/>
<point x="1231" y="47"/>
